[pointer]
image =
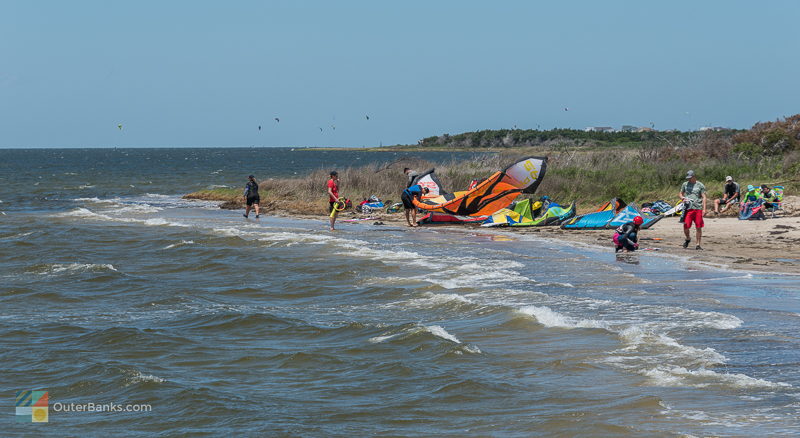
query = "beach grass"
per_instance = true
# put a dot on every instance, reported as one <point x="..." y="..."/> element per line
<point x="589" y="173"/>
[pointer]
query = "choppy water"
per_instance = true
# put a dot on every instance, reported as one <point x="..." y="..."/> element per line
<point x="121" y="294"/>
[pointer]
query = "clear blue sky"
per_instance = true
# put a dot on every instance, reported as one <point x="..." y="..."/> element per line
<point x="200" y="73"/>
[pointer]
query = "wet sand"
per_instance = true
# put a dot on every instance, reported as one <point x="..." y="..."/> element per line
<point x="772" y="244"/>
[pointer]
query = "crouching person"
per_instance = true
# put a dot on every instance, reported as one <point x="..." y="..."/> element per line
<point x="415" y="191"/>
<point x="627" y="235"/>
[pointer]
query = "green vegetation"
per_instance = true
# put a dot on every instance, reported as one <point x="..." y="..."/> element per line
<point x="514" y="138"/>
<point x="637" y="169"/>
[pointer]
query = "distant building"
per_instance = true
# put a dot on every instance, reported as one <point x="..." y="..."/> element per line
<point x="713" y="128"/>
<point x="645" y="129"/>
<point x="599" y="129"/>
<point x="628" y="128"/>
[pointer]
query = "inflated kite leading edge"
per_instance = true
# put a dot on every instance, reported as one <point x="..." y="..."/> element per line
<point x="496" y="192"/>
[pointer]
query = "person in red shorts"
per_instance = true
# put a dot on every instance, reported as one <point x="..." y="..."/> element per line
<point x="693" y="193"/>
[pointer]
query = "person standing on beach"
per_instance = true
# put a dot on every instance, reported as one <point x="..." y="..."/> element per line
<point x="410" y="174"/>
<point x="251" y="196"/>
<point x="415" y="191"/>
<point x="693" y="192"/>
<point x="333" y="195"/>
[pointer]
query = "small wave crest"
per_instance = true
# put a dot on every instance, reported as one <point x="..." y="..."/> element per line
<point x="702" y="378"/>
<point x="61" y="268"/>
<point x="181" y="243"/>
<point x="550" y="318"/>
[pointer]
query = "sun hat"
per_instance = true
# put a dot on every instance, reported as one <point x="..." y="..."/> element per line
<point x="690" y="174"/>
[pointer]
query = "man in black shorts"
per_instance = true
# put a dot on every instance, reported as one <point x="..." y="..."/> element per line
<point x="251" y="196"/>
<point x="408" y="195"/>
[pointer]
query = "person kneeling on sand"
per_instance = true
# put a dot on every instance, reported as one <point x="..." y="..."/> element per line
<point x="251" y="197"/>
<point x="730" y="195"/>
<point x="694" y="193"/>
<point x="415" y="191"/>
<point x="627" y="235"/>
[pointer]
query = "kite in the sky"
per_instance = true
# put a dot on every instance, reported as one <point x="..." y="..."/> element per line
<point x="320" y="129"/>
<point x="259" y="127"/>
<point x="277" y="119"/>
<point x="367" y="117"/>
<point x="566" y="109"/>
<point x="333" y="127"/>
<point x="120" y="126"/>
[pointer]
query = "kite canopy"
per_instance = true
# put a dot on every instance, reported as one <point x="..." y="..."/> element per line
<point x="431" y="181"/>
<point x="596" y="220"/>
<point x="610" y="215"/>
<point x="496" y="192"/>
<point x="628" y="213"/>
<point x="553" y="216"/>
<point x="520" y="213"/>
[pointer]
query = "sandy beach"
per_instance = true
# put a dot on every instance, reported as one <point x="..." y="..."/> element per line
<point x="748" y="245"/>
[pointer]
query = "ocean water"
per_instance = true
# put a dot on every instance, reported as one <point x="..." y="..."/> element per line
<point x="116" y="290"/>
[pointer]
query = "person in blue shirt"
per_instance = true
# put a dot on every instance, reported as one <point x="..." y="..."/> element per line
<point x="415" y="191"/>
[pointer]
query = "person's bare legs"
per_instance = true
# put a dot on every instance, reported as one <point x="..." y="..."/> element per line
<point x="247" y="211"/>
<point x="716" y="206"/>
<point x="408" y="217"/>
<point x="699" y="235"/>
<point x="257" y="210"/>
<point x="414" y="216"/>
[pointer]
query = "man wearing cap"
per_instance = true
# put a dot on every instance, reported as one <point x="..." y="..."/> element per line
<point x="251" y="196"/>
<point x="730" y="195"/>
<point x="333" y="194"/>
<point x="693" y="192"/>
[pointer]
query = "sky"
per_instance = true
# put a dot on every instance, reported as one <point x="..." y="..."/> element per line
<point x="209" y="73"/>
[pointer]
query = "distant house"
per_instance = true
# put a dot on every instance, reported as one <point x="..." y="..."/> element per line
<point x="599" y="129"/>
<point x="628" y="128"/>
<point x="645" y="129"/>
<point x="713" y="128"/>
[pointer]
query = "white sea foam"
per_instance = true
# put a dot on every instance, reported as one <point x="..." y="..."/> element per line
<point x="378" y="339"/>
<point x="550" y="318"/>
<point x="17" y="236"/>
<point x="435" y="330"/>
<point x="637" y="338"/>
<point x="666" y="375"/>
<point x="440" y="332"/>
<point x="58" y="268"/>
<point x="181" y="243"/>
<point x="472" y="349"/>
<point x="433" y="300"/>
<point x="135" y="208"/>
<point x="135" y="377"/>
<point x="88" y="214"/>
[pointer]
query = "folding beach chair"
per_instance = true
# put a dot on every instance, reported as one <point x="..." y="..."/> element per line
<point x="778" y="203"/>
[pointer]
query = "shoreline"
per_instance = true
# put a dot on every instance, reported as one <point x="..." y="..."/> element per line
<point x="768" y="246"/>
